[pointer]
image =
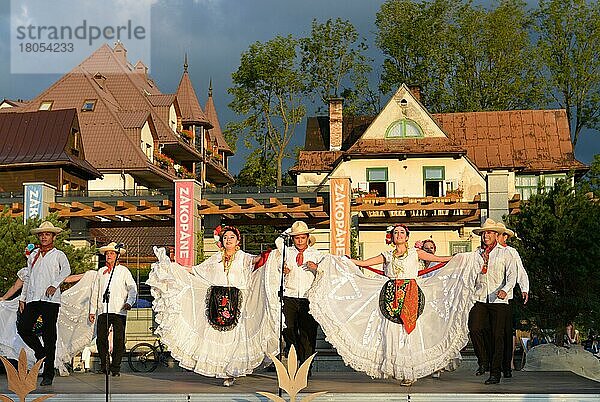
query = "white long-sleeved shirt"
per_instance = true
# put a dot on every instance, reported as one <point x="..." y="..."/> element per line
<point x="123" y="289"/>
<point x="501" y="275"/>
<point x="522" y="277"/>
<point x="49" y="270"/>
<point x="299" y="280"/>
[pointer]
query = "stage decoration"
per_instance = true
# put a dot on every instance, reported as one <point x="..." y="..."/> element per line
<point x="23" y="381"/>
<point x="292" y="379"/>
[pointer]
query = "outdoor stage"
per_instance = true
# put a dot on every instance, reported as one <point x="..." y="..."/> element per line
<point x="461" y="385"/>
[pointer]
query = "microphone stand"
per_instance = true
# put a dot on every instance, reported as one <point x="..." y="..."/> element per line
<point x="106" y="299"/>
<point x="286" y="243"/>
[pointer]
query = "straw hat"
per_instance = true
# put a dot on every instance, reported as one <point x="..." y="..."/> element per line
<point x="507" y="231"/>
<point x="46" y="227"/>
<point x="299" y="228"/>
<point x="112" y="246"/>
<point x="490" y="225"/>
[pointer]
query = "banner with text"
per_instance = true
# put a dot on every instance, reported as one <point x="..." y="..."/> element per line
<point x="339" y="215"/>
<point x="184" y="222"/>
<point x="37" y="199"/>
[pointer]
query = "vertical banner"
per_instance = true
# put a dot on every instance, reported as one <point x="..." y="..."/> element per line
<point x="185" y="211"/>
<point x="339" y="216"/>
<point x="37" y="199"/>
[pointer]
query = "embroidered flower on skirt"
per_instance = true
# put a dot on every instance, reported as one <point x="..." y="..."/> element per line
<point x="223" y="305"/>
<point x="393" y="297"/>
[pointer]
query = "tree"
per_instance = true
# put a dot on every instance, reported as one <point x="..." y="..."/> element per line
<point x="267" y="90"/>
<point x="569" y="47"/>
<point x="559" y="231"/>
<point x="14" y="237"/>
<point x="258" y="171"/>
<point x="465" y="57"/>
<point x="334" y="64"/>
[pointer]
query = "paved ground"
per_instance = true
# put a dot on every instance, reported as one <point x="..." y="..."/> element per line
<point x="163" y="385"/>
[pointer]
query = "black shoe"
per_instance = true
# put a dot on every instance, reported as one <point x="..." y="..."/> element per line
<point x="46" y="381"/>
<point x="492" y="380"/>
<point x="508" y="374"/>
<point x="480" y="371"/>
<point x="116" y="374"/>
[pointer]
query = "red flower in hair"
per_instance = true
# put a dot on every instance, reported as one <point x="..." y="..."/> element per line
<point x="217" y="235"/>
<point x="388" y="238"/>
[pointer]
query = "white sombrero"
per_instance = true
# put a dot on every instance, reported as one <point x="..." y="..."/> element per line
<point x="112" y="246"/>
<point x="490" y="225"/>
<point x="46" y="227"/>
<point x="298" y="228"/>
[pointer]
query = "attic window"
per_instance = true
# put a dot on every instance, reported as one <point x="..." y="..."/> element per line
<point x="46" y="105"/>
<point x="404" y="128"/>
<point x="88" y="105"/>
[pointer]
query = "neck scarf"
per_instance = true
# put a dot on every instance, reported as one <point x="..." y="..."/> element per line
<point x="486" y="256"/>
<point x="108" y="269"/>
<point x="42" y="252"/>
<point x="300" y="256"/>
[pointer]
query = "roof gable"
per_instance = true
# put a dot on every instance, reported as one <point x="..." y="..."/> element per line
<point x="215" y="132"/>
<point x="191" y="112"/>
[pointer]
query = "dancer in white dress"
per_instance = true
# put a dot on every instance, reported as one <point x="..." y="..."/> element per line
<point x="219" y="318"/>
<point x="372" y="321"/>
<point x="73" y="330"/>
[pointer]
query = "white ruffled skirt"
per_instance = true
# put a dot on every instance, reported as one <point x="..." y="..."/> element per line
<point x="179" y="303"/>
<point x="74" y="331"/>
<point x="345" y="302"/>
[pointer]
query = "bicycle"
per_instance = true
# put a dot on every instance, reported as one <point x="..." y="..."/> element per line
<point x="145" y="357"/>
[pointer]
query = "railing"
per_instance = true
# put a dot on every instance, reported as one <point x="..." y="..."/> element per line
<point x="267" y="190"/>
<point x="165" y="192"/>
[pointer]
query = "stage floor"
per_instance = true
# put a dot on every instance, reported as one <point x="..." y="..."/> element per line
<point x="460" y="385"/>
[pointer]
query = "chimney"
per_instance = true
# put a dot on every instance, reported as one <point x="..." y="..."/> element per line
<point x="141" y="68"/>
<point x="120" y="52"/>
<point x="335" y="124"/>
<point x="416" y="91"/>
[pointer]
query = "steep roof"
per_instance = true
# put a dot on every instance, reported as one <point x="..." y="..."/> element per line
<point x="534" y="140"/>
<point x="191" y="112"/>
<point x="125" y="98"/>
<point x="41" y="138"/>
<point x="526" y="140"/>
<point x="215" y="132"/>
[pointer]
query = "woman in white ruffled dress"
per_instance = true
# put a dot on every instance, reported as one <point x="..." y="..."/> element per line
<point x="74" y="331"/>
<point x="219" y="318"/>
<point x="395" y="324"/>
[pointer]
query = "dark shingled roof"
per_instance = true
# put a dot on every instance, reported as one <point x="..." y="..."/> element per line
<point x="41" y="138"/>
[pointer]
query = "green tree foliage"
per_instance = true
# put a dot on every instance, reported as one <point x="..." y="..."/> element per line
<point x="258" y="171"/>
<point x="334" y="64"/>
<point x="14" y="237"/>
<point x="465" y="57"/>
<point x="267" y="90"/>
<point x="569" y="48"/>
<point x="559" y="231"/>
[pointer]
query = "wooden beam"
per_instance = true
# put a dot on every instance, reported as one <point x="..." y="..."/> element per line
<point x="145" y="204"/>
<point x="99" y="205"/>
<point x="121" y="205"/>
<point x="251" y="202"/>
<point x="229" y="203"/>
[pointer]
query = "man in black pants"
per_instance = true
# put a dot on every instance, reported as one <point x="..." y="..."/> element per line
<point x="47" y="268"/>
<point x="300" y="262"/>
<point x="496" y="278"/>
<point x="122" y="291"/>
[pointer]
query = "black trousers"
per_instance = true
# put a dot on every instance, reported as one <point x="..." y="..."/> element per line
<point x="486" y="328"/>
<point x="118" y="323"/>
<point x="301" y="327"/>
<point x="509" y="332"/>
<point x="49" y="313"/>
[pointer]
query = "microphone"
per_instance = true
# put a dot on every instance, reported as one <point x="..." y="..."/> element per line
<point x="119" y="246"/>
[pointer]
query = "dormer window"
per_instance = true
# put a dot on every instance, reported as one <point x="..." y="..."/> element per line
<point x="46" y="105"/>
<point x="88" y="105"/>
<point x="404" y="128"/>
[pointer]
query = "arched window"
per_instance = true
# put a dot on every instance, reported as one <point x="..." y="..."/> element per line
<point x="404" y="128"/>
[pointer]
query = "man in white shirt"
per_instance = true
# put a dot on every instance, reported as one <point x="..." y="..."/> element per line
<point x="47" y="268"/>
<point x="523" y="282"/>
<point x="301" y="260"/>
<point x="113" y="294"/>
<point x="496" y="278"/>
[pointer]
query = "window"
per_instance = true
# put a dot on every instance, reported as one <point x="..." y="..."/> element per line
<point x="88" y="105"/>
<point x="526" y="186"/>
<point x="46" y="105"/>
<point x="433" y="181"/>
<point x="551" y="179"/>
<point x="377" y="178"/>
<point x="404" y="128"/>
<point x="460" y="247"/>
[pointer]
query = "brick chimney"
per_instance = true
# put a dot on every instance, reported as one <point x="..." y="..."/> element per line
<point x="416" y="91"/>
<point x="335" y="124"/>
<point x="120" y="52"/>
